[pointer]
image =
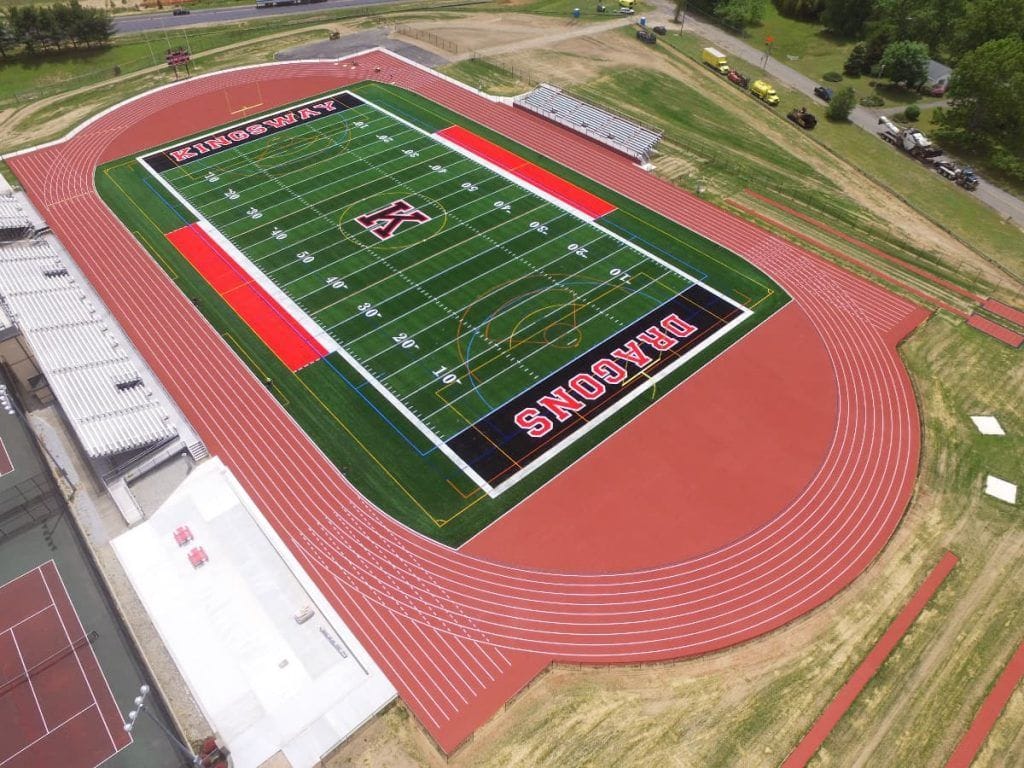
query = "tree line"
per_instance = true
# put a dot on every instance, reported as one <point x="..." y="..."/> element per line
<point x="982" y="40"/>
<point x="52" y="28"/>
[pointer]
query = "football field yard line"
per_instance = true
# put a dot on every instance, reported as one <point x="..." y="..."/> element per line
<point x="480" y="261"/>
<point x="355" y="158"/>
<point x="539" y="349"/>
<point x="367" y="250"/>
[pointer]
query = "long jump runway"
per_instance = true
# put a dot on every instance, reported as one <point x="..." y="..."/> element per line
<point x="459" y="632"/>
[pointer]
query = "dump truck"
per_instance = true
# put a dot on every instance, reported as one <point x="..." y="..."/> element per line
<point x="803" y="118"/>
<point x="765" y="92"/>
<point x="910" y="140"/>
<point x="715" y="59"/>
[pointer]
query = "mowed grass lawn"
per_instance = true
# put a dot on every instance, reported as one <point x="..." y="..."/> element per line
<point x="350" y="420"/>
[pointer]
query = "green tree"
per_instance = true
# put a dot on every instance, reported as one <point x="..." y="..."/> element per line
<point x="740" y="14"/>
<point x="857" y="62"/>
<point x="847" y="17"/>
<point x="905" y="62"/>
<point x="6" y="37"/>
<point x="842" y="104"/>
<point x="984" y="95"/>
<point x="982" y="21"/>
<point x="807" y="10"/>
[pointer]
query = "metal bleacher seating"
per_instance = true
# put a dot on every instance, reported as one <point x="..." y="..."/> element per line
<point x="90" y="372"/>
<point x="14" y="222"/>
<point x="631" y="138"/>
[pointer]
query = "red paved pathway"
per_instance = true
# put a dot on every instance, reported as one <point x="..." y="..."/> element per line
<point x="989" y="712"/>
<point x="457" y="633"/>
<point x="838" y="707"/>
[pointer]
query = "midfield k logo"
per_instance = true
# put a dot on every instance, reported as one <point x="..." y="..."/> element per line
<point x="384" y="223"/>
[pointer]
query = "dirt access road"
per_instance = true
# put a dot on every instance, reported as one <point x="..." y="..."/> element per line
<point x="1001" y="201"/>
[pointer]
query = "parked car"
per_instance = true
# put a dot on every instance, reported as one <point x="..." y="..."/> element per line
<point x="823" y="93"/>
<point x="179" y="11"/>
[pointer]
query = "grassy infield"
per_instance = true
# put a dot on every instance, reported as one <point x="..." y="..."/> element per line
<point x="956" y="372"/>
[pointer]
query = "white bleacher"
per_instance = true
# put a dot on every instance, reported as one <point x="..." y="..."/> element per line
<point x="84" y="362"/>
<point x="624" y="135"/>
<point x="14" y="221"/>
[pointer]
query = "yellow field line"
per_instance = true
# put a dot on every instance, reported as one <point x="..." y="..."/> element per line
<point x="253" y="364"/>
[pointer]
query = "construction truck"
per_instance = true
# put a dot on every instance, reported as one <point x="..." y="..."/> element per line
<point x="765" y="92"/>
<point x="910" y="140"/>
<point x="627" y="6"/>
<point x="715" y="59"/>
<point x="803" y="118"/>
<point x="644" y="35"/>
<point x="962" y="177"/>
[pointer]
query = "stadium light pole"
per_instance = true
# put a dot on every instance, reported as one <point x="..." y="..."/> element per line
<point x="140" y="707"/>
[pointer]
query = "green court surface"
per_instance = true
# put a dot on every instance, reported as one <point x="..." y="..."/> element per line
<point x="442" y="288"/>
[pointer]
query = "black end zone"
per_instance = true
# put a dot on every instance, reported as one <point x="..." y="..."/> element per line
<point x="265" y="125"/>
<point x="497" y="446"/>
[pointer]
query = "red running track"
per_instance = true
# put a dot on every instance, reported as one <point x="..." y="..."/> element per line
<point x="459" y="633"/>
<point x="55" y="705"/>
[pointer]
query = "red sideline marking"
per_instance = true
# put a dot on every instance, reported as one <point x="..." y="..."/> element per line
<point x="569" y="193"/>
<point x="292" y="343"/>
<point x="837" y="708"/>
<point x="869" y="248"/>
<point x="1004" y="311"/>
<point x="989" y="712"/>
<point x="6" y="465"/>
<point x="995" y="330"/>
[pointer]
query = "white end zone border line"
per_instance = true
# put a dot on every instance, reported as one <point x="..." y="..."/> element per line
<point x="318" y="333"/>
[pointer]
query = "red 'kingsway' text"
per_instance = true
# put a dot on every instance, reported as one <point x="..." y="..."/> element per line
<point x="238" y="135"/>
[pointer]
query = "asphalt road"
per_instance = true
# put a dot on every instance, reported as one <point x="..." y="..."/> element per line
<point x="1005" y="204"/>
<point x="166" y="20"/>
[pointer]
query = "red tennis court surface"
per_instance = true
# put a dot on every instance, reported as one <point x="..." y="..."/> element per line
<point x="56" y="708"/>
<point x="459" y="632"/>
<point x="293" y="344"/>
<point x="6" y="465"/>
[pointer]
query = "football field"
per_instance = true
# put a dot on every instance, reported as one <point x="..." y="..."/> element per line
<point x="476" y="292"/>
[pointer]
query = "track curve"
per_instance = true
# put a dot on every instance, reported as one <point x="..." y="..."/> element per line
<point x="457" y="633"/>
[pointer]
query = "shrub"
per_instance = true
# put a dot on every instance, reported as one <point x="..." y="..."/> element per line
<point x="832" y="77"/>
<point x="841" y="105"/>
<point x="912" y="112"/>
<point x="874" y="100"/>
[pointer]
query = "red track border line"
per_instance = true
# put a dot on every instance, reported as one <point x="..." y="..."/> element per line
<point x="293" y="344"/>
<point x="869" y="248"/>
<point x="570" y="194"/>
<point x="927" y="298"/>
<point x="989" y="712"/>
<point x="1005" y="311"/>
<point x="995" y="330"/>
<point x="834" y="712"/>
